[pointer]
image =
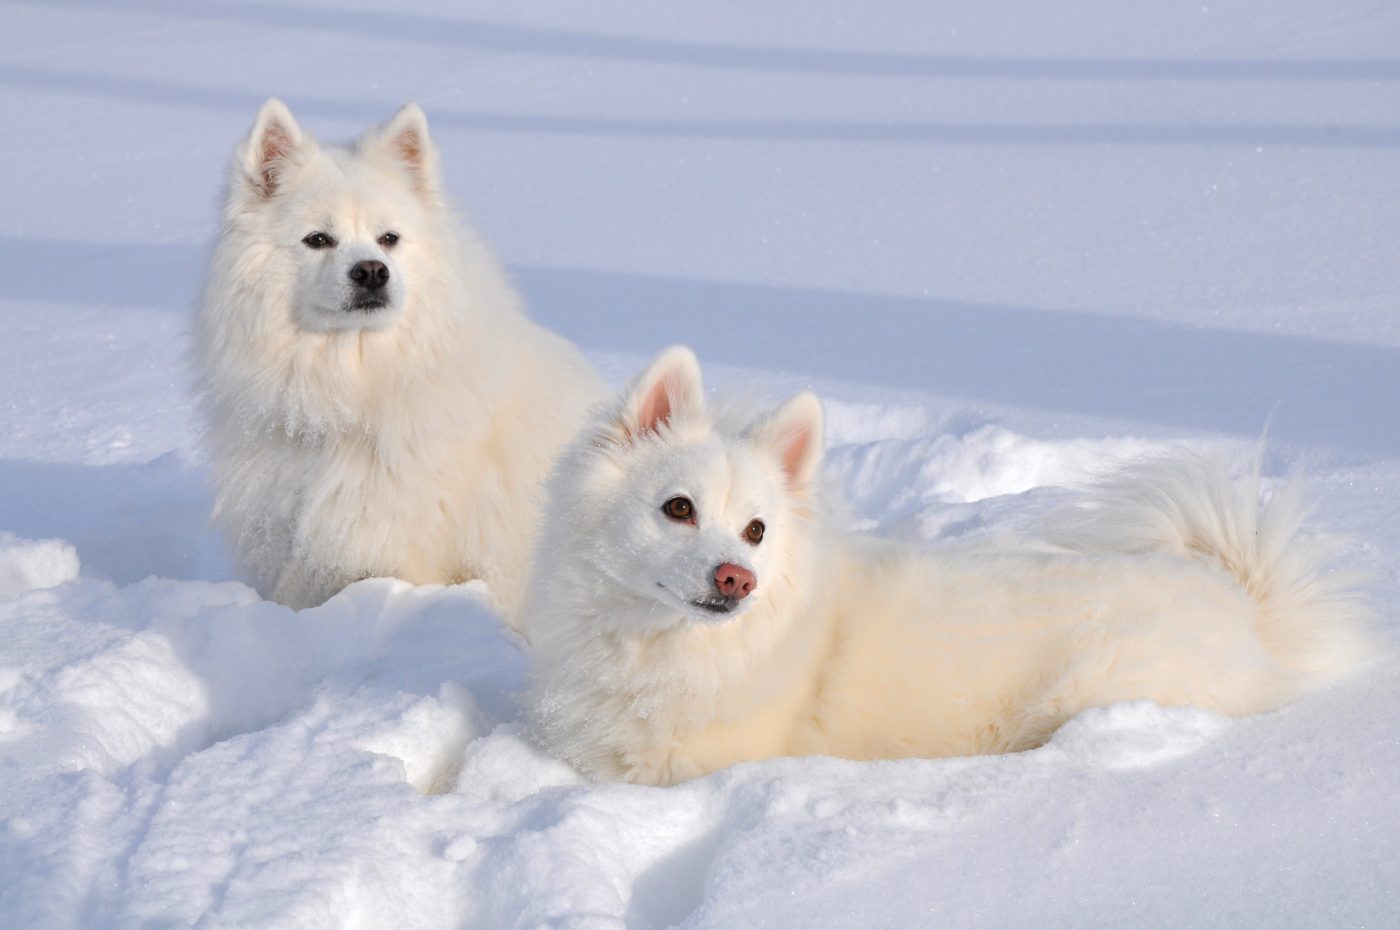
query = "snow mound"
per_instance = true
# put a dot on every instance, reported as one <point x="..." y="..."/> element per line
<point x="987" y="462"/>
<point x="1135" y="734"/>
<point x="32" y="564"/>
<point x="192" y="749"/>
<point x="949" y="485"/>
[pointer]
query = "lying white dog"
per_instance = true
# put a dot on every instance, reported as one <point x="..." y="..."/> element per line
<point x="690" y="607"/>
<point x="377" y="402"/>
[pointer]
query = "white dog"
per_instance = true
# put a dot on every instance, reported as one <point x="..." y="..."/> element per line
<point x="377" y="402"/>
<point x="691" y="608"/>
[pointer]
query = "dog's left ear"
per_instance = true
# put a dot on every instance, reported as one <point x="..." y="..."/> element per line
<point x="793" y="433"/>
<point x="404" y="140"/>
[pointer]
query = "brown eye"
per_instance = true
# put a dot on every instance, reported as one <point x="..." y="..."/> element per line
<point x="319" y="240"/>
<point x="388" y="239"/>
<point x="754" y="533"/>
<point x="679" y="508"/>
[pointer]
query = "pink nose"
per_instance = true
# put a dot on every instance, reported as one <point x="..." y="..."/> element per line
<point x="734" y="581"/>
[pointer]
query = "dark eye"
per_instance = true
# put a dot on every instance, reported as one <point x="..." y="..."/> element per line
<point x="679" y="508"/>
<point x="319" y="240"/>
<point x="754" y="533"/>
<point x="388" y="239"/>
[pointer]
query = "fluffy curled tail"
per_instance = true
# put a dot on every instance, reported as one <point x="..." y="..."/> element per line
<point x="1312" y="619"/>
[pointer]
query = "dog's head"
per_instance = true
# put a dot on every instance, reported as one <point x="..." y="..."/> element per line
<point x="338" y="236"/>
<point x="682" y="521"/>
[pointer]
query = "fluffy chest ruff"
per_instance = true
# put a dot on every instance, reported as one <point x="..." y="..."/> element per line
<point x="665" y="707"/>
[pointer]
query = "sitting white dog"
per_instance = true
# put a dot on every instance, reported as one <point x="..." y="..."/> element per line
<point x="690" y="607"/>
<point x="377" y="402"/>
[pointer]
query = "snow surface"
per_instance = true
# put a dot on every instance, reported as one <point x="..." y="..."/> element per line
<point x="1011" y="244"/>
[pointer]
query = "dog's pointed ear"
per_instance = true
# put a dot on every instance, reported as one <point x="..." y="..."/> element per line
<point x="670" y="387"/>
<point x="404" y="140"/>
<point x="793" y="433"/>
<point x="275" y="142"/>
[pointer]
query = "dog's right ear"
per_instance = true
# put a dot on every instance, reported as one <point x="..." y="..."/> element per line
<point x="670" y="387"/>
<point x="276" y="140"/>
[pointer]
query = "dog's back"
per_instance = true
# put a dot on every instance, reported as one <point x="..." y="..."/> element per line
<point x="1312" y="619"/>
<point x="1179" y="587"/>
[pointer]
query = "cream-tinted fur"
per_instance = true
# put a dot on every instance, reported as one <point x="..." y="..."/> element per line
<point x="1183" y="591"/>
<point x="410" y="442"/>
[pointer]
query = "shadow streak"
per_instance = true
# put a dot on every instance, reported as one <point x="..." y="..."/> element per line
<point x="164" y="277"/>
<point x="247" y="103"/>
<point x="127" y="521"/>
<point x="1189" y="378"/>
<point x="570" y="43"/>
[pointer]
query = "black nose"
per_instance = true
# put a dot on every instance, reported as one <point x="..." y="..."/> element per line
<point x="370" y="275"/>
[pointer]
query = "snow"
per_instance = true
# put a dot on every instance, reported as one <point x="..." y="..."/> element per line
<point x="28" y="565"/>
<point x="1009" y="244"/>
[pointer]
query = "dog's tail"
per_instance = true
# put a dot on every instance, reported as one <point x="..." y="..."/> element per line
<point x="1313" y="620"/>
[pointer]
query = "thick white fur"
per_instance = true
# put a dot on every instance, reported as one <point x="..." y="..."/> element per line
<point x="1183" y="591"/>
<point x="409" y="442"/>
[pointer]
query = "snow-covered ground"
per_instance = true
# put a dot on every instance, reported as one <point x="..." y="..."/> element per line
<point x="1009" y="243"/>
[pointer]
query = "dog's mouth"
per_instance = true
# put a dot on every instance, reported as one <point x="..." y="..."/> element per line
<point x="718" y="604"/>
<point x="367" y="304"/>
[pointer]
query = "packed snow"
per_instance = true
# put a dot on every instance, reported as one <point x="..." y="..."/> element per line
<point x="1011" y="245"/>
